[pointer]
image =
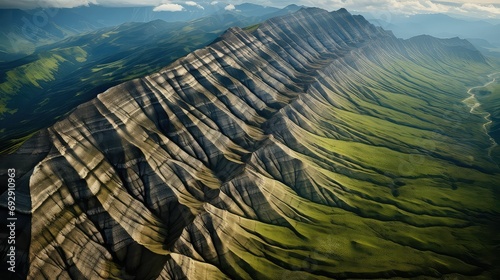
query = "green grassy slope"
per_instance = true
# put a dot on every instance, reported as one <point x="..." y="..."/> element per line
<point x="23" y="31"/>
<point x="489" y="100"/>
<point x="416" y="193"/>
<point x="312" y="146"/>
<point x="39" y="89"/>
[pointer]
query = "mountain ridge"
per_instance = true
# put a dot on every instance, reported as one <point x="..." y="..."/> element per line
<point x="76" y="69"/>
<point x="288" y="151"/>
<point x="24" y="30"/>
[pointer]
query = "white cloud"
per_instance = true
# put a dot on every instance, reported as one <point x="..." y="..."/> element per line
<point x="488" y="10"/>
<point x="169" y="7"/>
<point x="230" y="7"/>
<point x="484" y="2"/>
<point x="397" y="6"/>
<point x="194" y="4"/>
<point x="411" y="7"/>
<point x="474" y="8"/>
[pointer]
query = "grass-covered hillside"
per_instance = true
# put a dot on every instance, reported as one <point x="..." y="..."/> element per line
<point x="38" y="89"/>
<point x="488" y="98"/>
<point x="311" y="146"/>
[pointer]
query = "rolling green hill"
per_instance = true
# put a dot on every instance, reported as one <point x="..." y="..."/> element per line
<point x="39" y="89"/>
<point x="311" y="146"/>
<point x="22" y="31"/>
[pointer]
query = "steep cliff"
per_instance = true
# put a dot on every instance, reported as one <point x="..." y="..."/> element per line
<point x="315" y="145"/>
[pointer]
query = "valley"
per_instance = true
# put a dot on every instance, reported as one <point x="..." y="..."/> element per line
<point x="312" y="145"/>
<point x="473" y="103"/>
<point x="485" y="98"/>
<point x="39" y="89"/>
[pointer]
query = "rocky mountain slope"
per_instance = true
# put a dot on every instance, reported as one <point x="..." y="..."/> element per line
<point x="40" y="89"/>
<point x="311" y="146"/>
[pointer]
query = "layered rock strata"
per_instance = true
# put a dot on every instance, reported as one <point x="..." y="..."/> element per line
<point x="316" y="145"/>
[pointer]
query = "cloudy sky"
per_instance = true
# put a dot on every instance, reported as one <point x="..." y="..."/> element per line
<point x="473" y="8"/>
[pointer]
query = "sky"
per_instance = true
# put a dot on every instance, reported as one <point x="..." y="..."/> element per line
<point x="471" y="8"/>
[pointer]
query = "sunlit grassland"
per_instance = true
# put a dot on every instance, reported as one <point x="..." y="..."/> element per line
<point x="15" y="144"/>
<point x="39" y="89"/>
<point x="382" y="170"/>
<point x="36" y="74"/>
<point x="252" y="27"/>
<point x="416" y="178"/>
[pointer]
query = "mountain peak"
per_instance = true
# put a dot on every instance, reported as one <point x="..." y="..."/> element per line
<point x="293" y="6"/>
<point x="455" y="46"/>
<point x="262" y="156"/>
<point x="312" y="10"/>
<point x="342" y="11"/>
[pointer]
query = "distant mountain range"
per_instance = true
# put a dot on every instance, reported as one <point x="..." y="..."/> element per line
<point x="483" y="34"/>
<point x="312" y="145"/>
<point x="21" y="31"/>
<point x="59" y="76"/>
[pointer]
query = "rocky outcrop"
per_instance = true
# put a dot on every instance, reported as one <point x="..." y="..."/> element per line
<point x="316" y="145"/>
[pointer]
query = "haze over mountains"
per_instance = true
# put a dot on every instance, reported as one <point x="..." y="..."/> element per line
<point x="59" y="76"/>
<point x="312" y="145"/>
<point x="21" y="31"/>
<point x="58" y="73"/>
<point x="482" y="33"/>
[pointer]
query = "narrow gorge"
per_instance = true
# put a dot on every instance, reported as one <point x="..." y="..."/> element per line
<point x="312" y="146"/>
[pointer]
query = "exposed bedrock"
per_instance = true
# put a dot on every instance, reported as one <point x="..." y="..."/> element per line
<point x="316" y="145"/>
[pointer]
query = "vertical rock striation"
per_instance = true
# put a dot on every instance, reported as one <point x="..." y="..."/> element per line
<point x="316" y="145"/>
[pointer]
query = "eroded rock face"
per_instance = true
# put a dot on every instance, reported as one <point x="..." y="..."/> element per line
<point x="272" y="153"/>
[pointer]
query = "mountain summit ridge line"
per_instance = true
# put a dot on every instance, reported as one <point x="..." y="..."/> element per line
<point x="302" y="148"/>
